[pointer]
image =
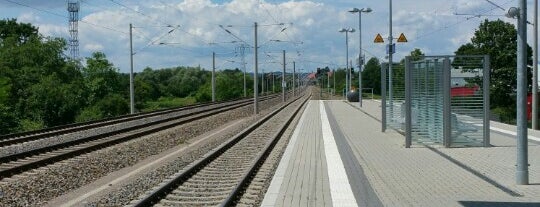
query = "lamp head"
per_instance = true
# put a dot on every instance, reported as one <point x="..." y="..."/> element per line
<point x="354" y="10"/>
<point x="366" y="10"/>
<point x="513" y="12"/>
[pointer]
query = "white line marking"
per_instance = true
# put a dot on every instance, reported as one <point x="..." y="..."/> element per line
<point x="504" y="131"/>
<point x="272" y="194"/>
<point x="120" y="179"/>
<point x="340" y="189"/>
<point x="512" y="133"/>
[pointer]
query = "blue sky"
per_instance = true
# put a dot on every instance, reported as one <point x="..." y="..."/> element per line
<point x="309" y="33"/>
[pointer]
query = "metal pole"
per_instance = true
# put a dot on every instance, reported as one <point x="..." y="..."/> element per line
<point x="347" y="69"/>
<point x="213" y="77"/>
<point x="255" y="77"/>
<point x="131" y="84"/>
<point x="334" y="74"/>
<point x="535" y="69"/>
<point x="273" y="83"/>
<point x="245" y="88"/>
<point x="447" y="103"/>
<point x="328" y="84"/>
<point x="383" y="98"/>
<point x="408" y="105"/>
<point x="351" y="67"/>
<point x="360" y="59"/>
<point x="293" y="75"/>
<point x="262" y="81"/>
<point x="242" y="52"/>
<point x="390" y="54"/>
<point x="283" y="83"/>
<point x="486" y="74"/>
<point x="522" y="173"/>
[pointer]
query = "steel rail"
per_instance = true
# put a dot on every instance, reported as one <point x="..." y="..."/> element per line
<point x="70" y="149"/>
<point x="239" y="190"/>
<point x="18" y="138"/>
<point x="164" y="189"/>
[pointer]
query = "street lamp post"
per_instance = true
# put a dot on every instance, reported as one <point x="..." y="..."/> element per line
<point x="347" y="57"/>
<point x="360" y="56"/>
<point x="522" y="165"/>
<point x="535" y="69"/>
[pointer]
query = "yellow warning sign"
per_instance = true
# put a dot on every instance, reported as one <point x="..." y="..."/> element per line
<point x="402" y="38"/>
<point x="378" y="39"/>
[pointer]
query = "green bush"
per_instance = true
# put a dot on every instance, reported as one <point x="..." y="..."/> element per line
<point x="110" y="106"/>
<point x="169" y="102"/>
<point x="506" y="114"/>
<point x="30" y="125"/>
<point x="89" y="114"/>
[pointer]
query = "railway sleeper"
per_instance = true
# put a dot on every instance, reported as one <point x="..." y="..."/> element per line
<point x="213" y="180"/>
<point x="209" y="186"/>
<point x="220" y="170"/>
<point x="212" y="197"/>
<point x="218" y="188"/>
<point x="187" y="203"/>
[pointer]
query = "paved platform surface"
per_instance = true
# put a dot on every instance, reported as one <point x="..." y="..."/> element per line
<point x="381" y="172"/>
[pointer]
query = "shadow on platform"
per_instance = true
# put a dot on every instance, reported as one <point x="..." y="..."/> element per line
<point x="497" y="204"/>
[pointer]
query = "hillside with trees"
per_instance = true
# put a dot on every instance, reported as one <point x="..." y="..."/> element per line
<point x="40" y="87"/>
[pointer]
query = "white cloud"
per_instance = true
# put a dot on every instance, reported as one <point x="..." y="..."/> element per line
<point x="199" y="25"/>
<point x="428" y="24"/>
<point x="28" y="17"/>
<point x="52" y="30"/>
<point x="93" y="47"/>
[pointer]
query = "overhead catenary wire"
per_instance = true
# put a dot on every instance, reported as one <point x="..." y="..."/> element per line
<point x="63" y="16"/>
<point x="157" y="39"/>
<point x="276" y="21"/>
<point x="161" y="22"/>
<point x="135" y="31"/>
<point x="235" y="36"/>
<point x="226" y="61"/>
<point x="483" y="13"/>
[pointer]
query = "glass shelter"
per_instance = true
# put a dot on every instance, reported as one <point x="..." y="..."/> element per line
<point x="446" y="101"/>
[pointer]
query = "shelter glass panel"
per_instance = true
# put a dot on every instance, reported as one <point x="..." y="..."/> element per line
<point x="427" y="101"/>
<point x="467" y="101"/>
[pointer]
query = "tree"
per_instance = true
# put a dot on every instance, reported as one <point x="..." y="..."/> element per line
<point x="54" y="102"/>
<point x="110" y="106"/>
<point x="498" y="40"/>
<point x="229" y="85"/>
<point x="38" y="87"/>
<point x="101" y="77"/>
<point x="9" y="120"/>
<point x="371" y="76"/>
<point x="20" y="32"/>
<point x="416" y="54"/>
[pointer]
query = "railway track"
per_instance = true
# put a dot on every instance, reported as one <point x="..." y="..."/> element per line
<point x="11" y="139"/>
<point x="23" y="161"/>
<point x="220" y="177"/>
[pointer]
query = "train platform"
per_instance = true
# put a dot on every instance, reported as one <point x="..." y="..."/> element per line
<point x="338" y="156"/>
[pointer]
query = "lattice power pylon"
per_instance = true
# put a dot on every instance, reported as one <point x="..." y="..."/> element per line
<point x="73" y="9"/>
